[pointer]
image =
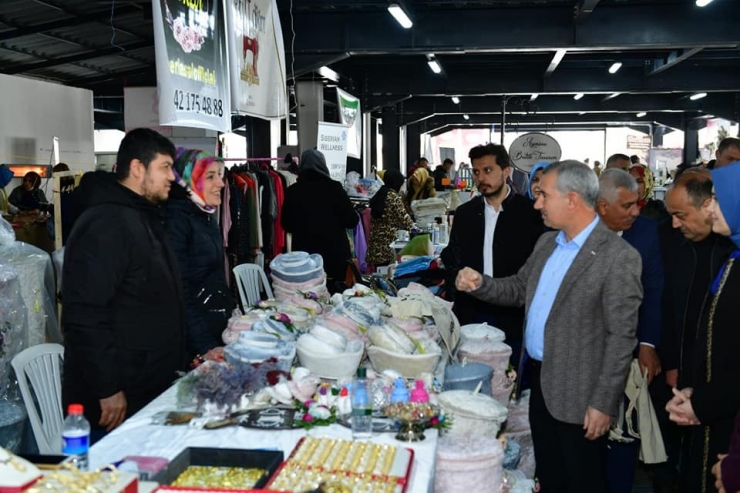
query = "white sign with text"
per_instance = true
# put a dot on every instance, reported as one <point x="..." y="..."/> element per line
<point x="332" y="143"/>
<point x="529" y="149"/>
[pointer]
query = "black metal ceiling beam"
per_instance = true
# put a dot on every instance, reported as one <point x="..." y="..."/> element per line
<point x="376" y="103"/>
<point x="305" y="64"/>
<point x="632" y="26"/>
<point x="417" y="109"/>
<point x="674" y="58"/>
<point x="60" y="76"/>
<point x="556" y="59"/>
<point x="584" y="10"/>
<point x="514" y="120"/>
<point x="76" y="20"/>
<point x="117" y="76"/>
<point x="563" y="121"/>
<point x="526" y="127"/>
<point x="106" y="19"/>
<point x="566" y="80"/>
<point x="77" y="57"/>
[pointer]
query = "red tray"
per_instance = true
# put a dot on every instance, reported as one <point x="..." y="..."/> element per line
<point x="403" y="481"/>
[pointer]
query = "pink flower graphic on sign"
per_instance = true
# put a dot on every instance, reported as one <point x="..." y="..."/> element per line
<point x="190" y="38"/>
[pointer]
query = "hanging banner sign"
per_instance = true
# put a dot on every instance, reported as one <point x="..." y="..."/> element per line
<point x="350" y="115"/>
<point x="642" y="142"/>
<point x="257" y="55"/>
<point x="192" y="64"/>
<point x="332" y="143"/>
<point x="529" y="149"/>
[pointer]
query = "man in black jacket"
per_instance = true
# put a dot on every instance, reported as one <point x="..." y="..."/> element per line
<point x="123" y="312"/>
<point x="692" y="257"/>
<point x="440" y="173"/>
<point x="493" y="233"/>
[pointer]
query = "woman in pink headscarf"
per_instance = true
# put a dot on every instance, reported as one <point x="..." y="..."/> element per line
<point x="196" y="240"/>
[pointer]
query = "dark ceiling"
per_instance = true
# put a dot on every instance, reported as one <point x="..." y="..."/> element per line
<point x="490" y="50"/>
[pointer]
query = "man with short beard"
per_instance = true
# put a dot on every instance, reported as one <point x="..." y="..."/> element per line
<point x="123" y="314"/>
<point x="493" y="233"/>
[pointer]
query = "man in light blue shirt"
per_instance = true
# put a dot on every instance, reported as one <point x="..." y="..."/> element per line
<point x="581" y="291"/>
<point x="547" y="288"/>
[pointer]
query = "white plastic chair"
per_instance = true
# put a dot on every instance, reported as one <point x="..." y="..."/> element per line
<point x="248" y="280"/>
<point x="41" y="366"/>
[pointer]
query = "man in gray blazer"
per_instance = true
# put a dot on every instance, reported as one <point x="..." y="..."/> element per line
<point x="581" y="291"/>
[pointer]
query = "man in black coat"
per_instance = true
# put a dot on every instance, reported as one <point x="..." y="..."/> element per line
<point x="440" y="173"/>
<point x="493" y="233"/>
<point x="692" y="257"/>
<point x="123" y="312"/>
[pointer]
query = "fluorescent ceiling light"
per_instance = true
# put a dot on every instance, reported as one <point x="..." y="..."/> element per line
<point x="533" y="97"/>
<point x="467" y="117"/>
<point x="328" y="73"/>
<point x="703" y="3"/>
<point x="400" y="15"/>
<point x="641" y="114"/>
<point x="578" y="96"/>
<point x="615" y="67"/>
<point x="558" y="57"/>
<point x="434" y="64"/>
<point x="455" y="100"/>
<point x="698" y="95"/>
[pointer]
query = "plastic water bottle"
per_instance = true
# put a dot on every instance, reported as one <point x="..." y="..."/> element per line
<point x="362" y="407"/>
<point x="76" y="436"/>
<point x="435" y="234"/>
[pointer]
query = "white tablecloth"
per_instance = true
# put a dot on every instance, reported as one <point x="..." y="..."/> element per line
<point x="137" y="436"/>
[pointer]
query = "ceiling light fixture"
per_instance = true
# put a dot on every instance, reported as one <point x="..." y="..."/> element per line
<point x="400" y="15"/>
<point x="641" y="114"/>
<point x="455" y="100"/>
<point x="703" y="3"/>
<point x="434" y="64"/>
<point x="698" y="95"/>
<point x="328" y="73"/>
<point x="578" y="96"/>
<point x="467" y="117"/>
<point x="615" y="67"/>
<point x="533" y="97"/>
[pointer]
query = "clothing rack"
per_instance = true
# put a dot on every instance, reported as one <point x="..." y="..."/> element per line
<point x="295" y="159"/>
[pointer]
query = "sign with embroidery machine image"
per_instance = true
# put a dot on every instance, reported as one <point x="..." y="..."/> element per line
<point x="331" y="141"/>
<point x="529" y="149"/>
<point x="257" y="57"/>
<point x="192" y="63"/>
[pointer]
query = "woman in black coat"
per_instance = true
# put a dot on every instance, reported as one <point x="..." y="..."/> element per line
<point x="196" y="240"/>
<point x="318" y="212"/>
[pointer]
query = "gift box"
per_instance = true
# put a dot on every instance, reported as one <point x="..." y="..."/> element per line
<point x="269" y="460"/>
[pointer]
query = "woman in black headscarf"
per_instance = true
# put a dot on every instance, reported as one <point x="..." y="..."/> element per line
<point x="318" y="212"/>
<point x="388" y="214"/>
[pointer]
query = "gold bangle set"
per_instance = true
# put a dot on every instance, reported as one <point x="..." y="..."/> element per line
<point x="339" y="466"/>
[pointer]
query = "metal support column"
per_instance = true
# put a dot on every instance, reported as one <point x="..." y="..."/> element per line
<point x="391" y="139"/>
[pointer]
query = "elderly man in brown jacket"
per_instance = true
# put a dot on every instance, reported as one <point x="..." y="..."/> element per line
<point x="581" y="291"/>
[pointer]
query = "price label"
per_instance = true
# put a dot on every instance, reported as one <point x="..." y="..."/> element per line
<point x="195" y="103"/>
